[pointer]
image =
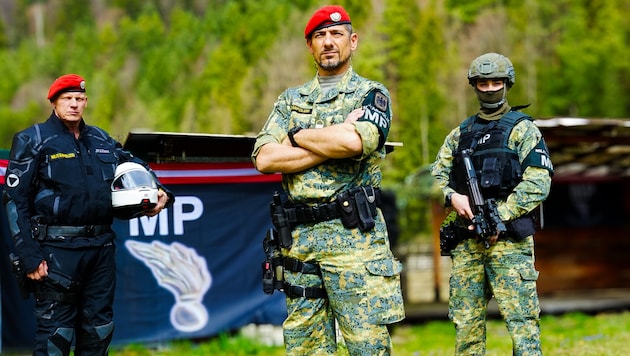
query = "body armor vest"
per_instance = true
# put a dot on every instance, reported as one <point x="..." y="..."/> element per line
<point x="498" y="168"/>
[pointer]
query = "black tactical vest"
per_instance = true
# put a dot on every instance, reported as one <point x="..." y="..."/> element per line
<point x="498" y="168"/>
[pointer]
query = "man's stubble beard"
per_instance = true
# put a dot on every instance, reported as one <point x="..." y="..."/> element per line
<point x="331" y="64"/>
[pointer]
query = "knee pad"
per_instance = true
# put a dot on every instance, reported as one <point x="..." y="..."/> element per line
<point x="95" y="340"/>
<point x="104" y="331"/>
<point x="59" y="343"/>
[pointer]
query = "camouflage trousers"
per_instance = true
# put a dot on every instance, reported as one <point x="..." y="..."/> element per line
<point x="506" y="271"/>
<point x="362" y="281"/>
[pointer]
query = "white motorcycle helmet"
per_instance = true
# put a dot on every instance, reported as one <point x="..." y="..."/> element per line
<point x="134" y="190"/>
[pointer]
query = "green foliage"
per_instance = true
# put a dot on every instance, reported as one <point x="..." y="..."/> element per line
<point x="193" y="66"/>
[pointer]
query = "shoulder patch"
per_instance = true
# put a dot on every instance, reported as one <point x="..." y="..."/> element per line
<point x="380" y="101"/>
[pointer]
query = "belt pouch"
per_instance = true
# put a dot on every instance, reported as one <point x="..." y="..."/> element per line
<point x="347" y="209"/>
<point x="522" y="227"/>
<point x="366" y="211"/>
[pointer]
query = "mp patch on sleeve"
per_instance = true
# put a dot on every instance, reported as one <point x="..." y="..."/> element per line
<point x="539" y="157"/>
<point x="376" y="106"/>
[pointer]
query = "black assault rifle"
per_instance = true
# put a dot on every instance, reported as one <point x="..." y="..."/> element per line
<point x="486" y="216"/>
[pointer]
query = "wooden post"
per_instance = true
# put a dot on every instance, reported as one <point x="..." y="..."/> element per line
<point x="437" y="216"/>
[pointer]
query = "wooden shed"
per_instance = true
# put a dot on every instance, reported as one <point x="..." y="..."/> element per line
<point x="585" y="244"/>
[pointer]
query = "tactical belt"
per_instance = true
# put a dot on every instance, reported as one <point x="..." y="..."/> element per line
<point x="70" y="298"/>
<point x="68" y="230"/>
<point x="304" y="214"/>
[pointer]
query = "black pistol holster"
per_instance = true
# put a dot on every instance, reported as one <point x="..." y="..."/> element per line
<point x="273" y="271"/>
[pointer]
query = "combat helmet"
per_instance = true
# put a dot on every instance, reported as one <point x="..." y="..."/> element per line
<point x="491" y="65"/>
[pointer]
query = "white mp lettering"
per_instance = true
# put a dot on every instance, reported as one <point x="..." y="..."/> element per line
<point x="193" y="211"/>
<point x="483" y="140"/>
<point x="376" y="118"/>
<point x="546" y="162"/>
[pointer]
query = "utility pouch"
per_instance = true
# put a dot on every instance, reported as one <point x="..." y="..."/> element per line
<point x="451" y="234"/>
<point x="272" y="269"/>
<point x="267" y="277"/>
<point x="366" y="209"/>
<point x="347" y="209"/>
<point x="521" y="227"/>
<point x="490" y="173"/>
<point x="448" y="239"/>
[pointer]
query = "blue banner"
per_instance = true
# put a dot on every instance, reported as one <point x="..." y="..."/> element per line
<point x="193" y="271"/>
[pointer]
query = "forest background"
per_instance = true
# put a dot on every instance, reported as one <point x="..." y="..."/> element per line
<point x="217" y="66"/>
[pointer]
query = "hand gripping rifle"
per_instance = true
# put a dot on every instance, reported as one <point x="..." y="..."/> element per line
<point x="486" y="216"/>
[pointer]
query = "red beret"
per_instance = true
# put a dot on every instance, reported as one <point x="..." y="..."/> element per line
<point x="326" y="16"/>
<point x="68" y="82"/>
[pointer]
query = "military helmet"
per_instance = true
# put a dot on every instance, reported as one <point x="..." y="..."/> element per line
<point x="491" y="65"/>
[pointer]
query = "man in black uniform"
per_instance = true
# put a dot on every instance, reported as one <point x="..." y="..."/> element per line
<point x="58" y="200"/>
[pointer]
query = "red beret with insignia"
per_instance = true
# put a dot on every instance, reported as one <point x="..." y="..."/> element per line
<point x="65" y="83"/>
<point x="326" y="16"/>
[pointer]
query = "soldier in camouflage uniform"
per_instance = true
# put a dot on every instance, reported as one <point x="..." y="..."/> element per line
<point x="512" y="163"/>
<point x="326" y="138"/>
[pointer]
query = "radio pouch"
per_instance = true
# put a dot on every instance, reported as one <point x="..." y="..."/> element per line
<point x="366" y="209"/>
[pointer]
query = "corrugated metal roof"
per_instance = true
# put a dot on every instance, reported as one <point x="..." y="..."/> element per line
<point x="588" y="149"/>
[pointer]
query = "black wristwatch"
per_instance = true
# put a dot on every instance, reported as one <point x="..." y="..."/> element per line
<point x="292" y="133"/>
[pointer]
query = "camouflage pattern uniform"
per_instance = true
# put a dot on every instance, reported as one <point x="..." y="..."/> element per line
<point x="506" y="269"/>
<point x="359" y="272"/>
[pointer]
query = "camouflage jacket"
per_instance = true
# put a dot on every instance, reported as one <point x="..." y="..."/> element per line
<point x="307" y="106"/>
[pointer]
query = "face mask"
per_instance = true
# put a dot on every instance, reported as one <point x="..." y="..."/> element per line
<point x="491" y="99"/>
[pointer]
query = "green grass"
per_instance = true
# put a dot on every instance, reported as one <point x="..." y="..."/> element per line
<point x="572" y="334"/>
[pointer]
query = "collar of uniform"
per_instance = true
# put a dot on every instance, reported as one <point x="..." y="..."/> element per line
<point x="57" y="121"/>
<point x="348" y="84"/>
<point x="495" y="115"/>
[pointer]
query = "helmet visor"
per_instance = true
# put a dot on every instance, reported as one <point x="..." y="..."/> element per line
<point x="133" y="180"/>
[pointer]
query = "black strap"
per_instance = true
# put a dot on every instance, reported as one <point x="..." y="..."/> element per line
<point x="69" y="230"/>
<point x="295" y="265"/>
<point x="304" y="292"/>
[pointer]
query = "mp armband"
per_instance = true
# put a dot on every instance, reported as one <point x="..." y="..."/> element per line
<point x="377" y="111"/>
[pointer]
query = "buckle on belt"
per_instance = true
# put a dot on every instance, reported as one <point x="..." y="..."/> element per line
<point x="89" y="230"/>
